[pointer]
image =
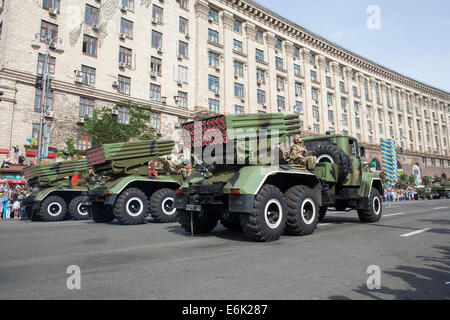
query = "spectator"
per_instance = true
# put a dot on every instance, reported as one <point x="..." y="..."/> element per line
<point x="15" y="204"/>
<point x="2" y="203"/>
<point x="16" y="153"/>
<point x="21" y="159"/>
<point x="6" y="162"/>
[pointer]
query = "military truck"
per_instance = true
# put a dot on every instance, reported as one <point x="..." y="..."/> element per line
<point x="442" y="191"/>
<point x="424" y="193"/>
<point x="56" y="194"/>
<point x="267" y="200"/>
<point x="125" y="185"/>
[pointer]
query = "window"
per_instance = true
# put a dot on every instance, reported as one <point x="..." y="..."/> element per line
<point x="388" y="98"/>
<point x="86" y="107"/>
<point x="238" y="68"/>
<point x="279" y="63"/>
<point x="369" y="125"/>
<point x="156" y="65"/>
<point x="183" y="49"/>
<point x="35" y="132"/>
<point x="280" y="83"/>
<point x="377" y="92"/>
<point x="156" y="39"/>
<point x="123" y="115"/>
<point x="183" y="25"/>
<point x="328" y="81"/>
<point x="313" y="75"/>
<point x="343" y="103"/>
<point x="88" y="75"/>
<point x="129" y="4"/>
<point x="366" y="89"/>
<point x="213" y="36"/>
<point x="344" y="119"/>
<point x="155" y="120"/>
<point x="51" y="4"/>
<point x="296" y="52"/>
<point x="38" y="99"/>
<point x="184" y="4"/>
<point x="182" y="74"/>
<point x="315" y="94"/>
<point x="260" y="76"/>
<point x="327" y="66"/>
<point x="213" y="105"/>
<point x="237" y="27"/>
<point x="46" y="66"/>
<point x="342" y="86"/>
<point x="278" y="44"/>
<point x="157" y="14"/>
<point x="316" y="128"/>
<point x="298" y="88"/>
<point x="356" y="107"/>
<point x="83" y="140"/>
<point x="331" y="116"/>
<point x="298" y="107"/>
<point x="155" y="92"/>
<point x="280" y="102"/>
<point x="239" y="90"/>
<point x="237" y="45"/>
<point x="355" y="91"/>
<point x="214" y="15"/>
<point x="126" y="28"/>
<point x="259" y="55"/>
<point x="213" y="59"/>
<point x="259" y="36"/>
<point x="380" y="128"/>
<point x="261" y="94"/>
<point x="312" y="59"/>
<point x="213" y="83"/>
<point x="124" y="84"/>
<point x="315" y="112"/>
<point x="182" y="99"/>
<point x="297" y="70"/>
<point x="90" y="45"/>
<point x="48" y="30"/>
<point x="91" y="15"/>
<point x="238" y="109"/>
<point x="330" y="99"/>
<point x="125" y="56"/>
<point x="380" y="114"/>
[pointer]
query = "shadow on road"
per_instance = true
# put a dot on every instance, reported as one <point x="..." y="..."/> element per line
<point x="425" y="282"/>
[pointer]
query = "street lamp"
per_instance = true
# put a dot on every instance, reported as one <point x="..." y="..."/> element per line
<point x="50" y="43"/>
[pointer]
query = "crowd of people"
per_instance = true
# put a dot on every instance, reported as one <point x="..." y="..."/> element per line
<point x="11" y="202"/>
<point x="397" y="194"/>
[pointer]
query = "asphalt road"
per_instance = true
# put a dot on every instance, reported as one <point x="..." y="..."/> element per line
<point x="160" y="261"/>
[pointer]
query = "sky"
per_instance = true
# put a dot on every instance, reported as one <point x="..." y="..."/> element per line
<point x="413" y="37"/>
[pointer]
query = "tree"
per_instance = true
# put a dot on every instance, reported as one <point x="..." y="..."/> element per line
<point x="104" y="126"/>
<point x="426" y="181"/>
<point x="69" y="151"/>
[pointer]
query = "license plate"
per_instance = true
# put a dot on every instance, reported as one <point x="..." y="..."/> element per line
<point x="193" y="207"/>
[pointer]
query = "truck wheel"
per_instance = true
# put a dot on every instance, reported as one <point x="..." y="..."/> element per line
<point x="54" y="208"/>
<point x="333" y="154"/>
<point x="302" y="211"/>
<point x="101" y="213"/>
<point x="131" y="207"/>
<point x="161" y="206"/>
<point x="204" y="224"/>
<point x="78" y="210"/>
<point x="322" y="213"/>
<point x="374" y="211"/>
<point x="267" y="221"/>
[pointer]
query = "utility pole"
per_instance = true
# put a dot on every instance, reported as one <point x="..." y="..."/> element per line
<point x="50" y="43"/>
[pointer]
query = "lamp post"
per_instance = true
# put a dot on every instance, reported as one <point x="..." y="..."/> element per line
<point x="50" y="43"/>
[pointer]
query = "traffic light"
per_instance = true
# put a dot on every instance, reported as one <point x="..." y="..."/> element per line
<point x="1" y="93"/>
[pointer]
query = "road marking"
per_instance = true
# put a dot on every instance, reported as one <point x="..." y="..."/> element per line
<point x="324" y="224"/>
<point x="439" y="208"/>
<point x="394" y="214"/>
<point x="415" y="232"/>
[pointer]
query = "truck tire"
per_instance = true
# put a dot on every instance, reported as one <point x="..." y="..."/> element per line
<point x="267" y="221"/>
<point x="161" y="206"/>
<point x="54" y="208"/>
<point x="334" y="154"/>
<point x="102" y="214"/>
<point x="302" y="211"/>
<point x="322" y="213"/>
<point x="375" y="210"/>
<point x="78" y="210"/>
<point x="131" y="207"/>
<point x="201" y="225"/>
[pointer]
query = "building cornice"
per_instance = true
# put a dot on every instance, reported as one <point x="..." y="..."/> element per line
<point x="273" y="20"/>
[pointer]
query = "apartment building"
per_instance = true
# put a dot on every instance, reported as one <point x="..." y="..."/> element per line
<point x="231" y="56"/>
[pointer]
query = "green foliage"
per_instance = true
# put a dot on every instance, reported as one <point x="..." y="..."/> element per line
<point x="426" y="181"/>
<point x="104" y="126"/>
<point x="69" y="151"/>
<point x="383" y="177"/>
<point x="437" y="179"/>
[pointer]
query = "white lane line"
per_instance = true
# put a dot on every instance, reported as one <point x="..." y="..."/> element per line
<point x="393" y="214"/>
<point x="415" y="232"/>
<point x="324" y="224"/>
<point x="439" y="208"/>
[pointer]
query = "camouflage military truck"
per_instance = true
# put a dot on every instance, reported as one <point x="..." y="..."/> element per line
<point x="442" y="191"/>
<point x="56" y="191"/>
<point x="424" y="193"/>
<point x="130" y="182"/>
<point x="267" y="200"/>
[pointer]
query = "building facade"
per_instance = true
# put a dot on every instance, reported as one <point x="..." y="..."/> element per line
<point x="231" y="56"/>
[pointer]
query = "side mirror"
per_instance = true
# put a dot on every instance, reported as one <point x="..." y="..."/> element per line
<point x="362" y="152"/>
